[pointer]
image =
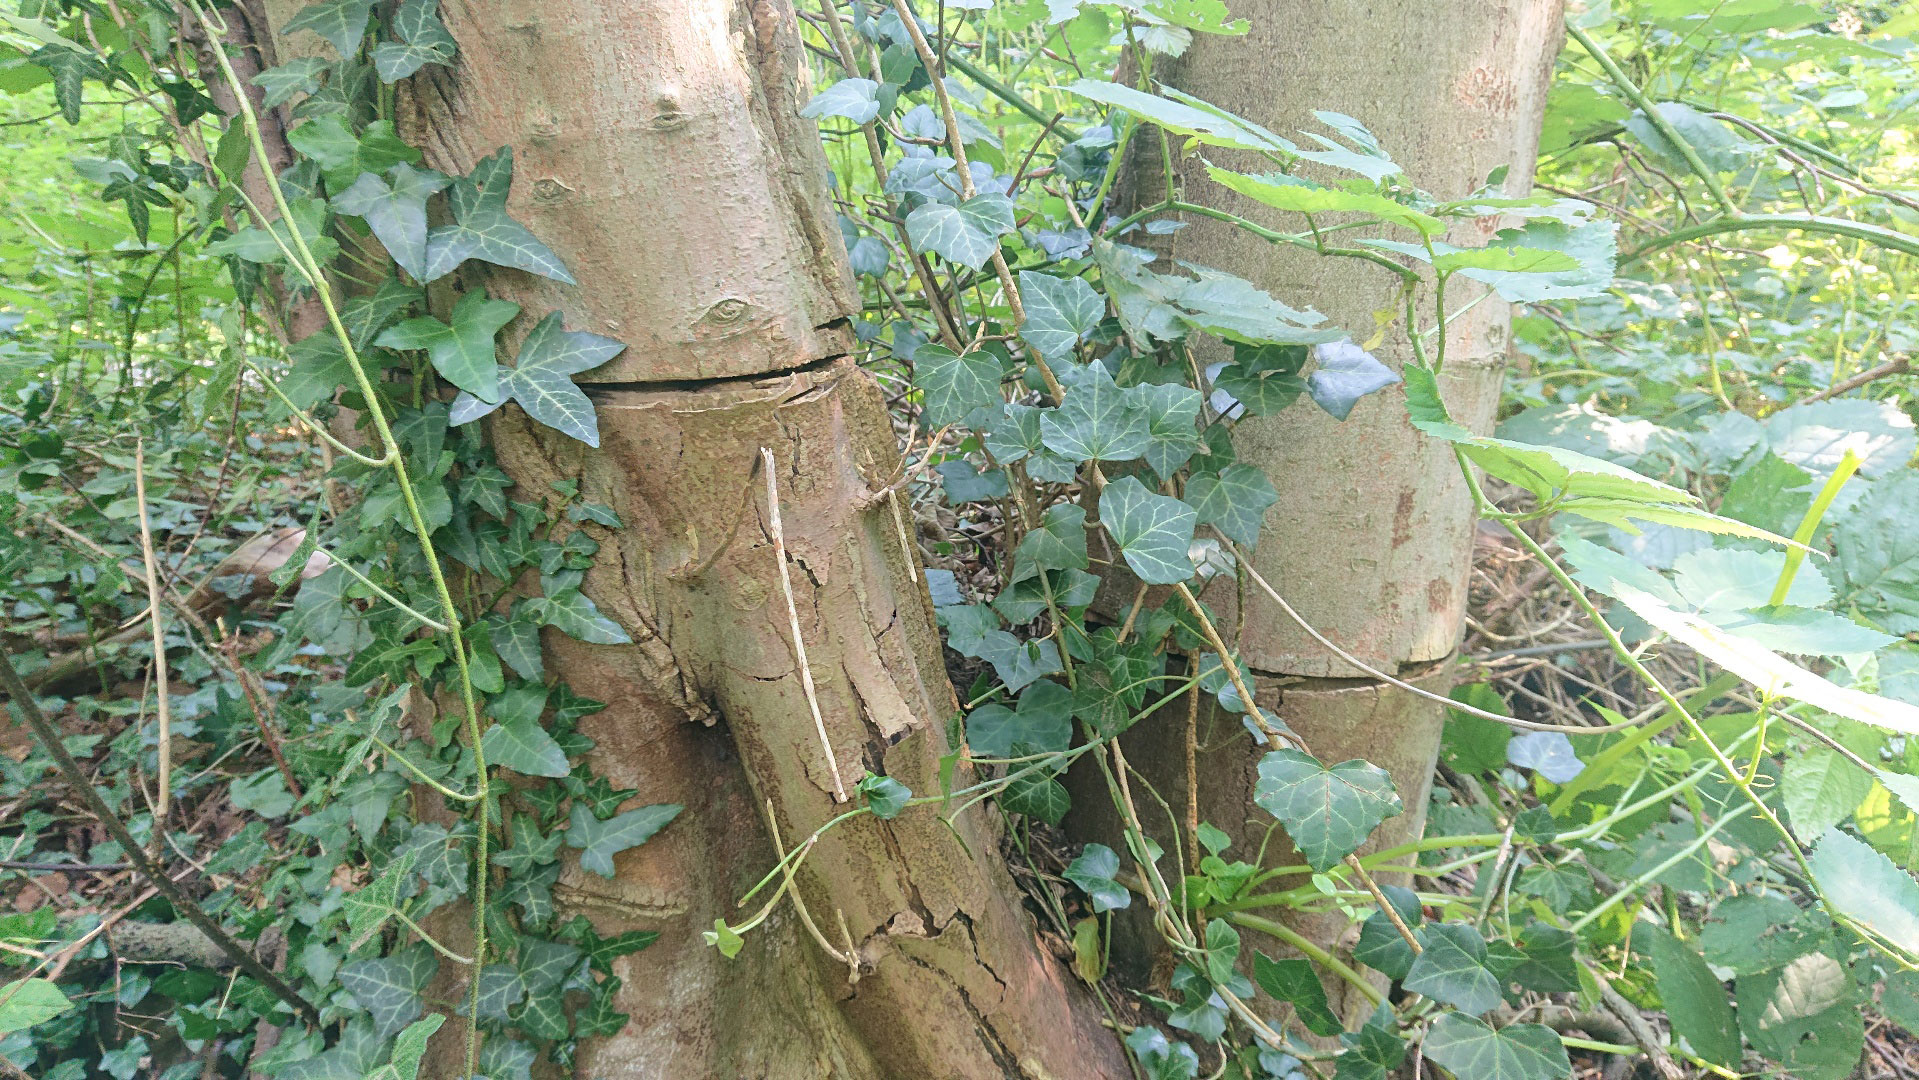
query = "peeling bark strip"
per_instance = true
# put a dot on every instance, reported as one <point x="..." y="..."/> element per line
<point x="660" y="153"/>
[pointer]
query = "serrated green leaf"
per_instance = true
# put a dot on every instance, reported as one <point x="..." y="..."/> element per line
<point x="1695" y="1002"/>
<point x="1327" y="812"/>
<point x="599" y="841"/>
<point x="1305" y="197"/>
<point x="30" y="1001"/>
<point x="1153" y="532"/>
<point x="1865" y="886"/>
<point x="1184" y="115"/>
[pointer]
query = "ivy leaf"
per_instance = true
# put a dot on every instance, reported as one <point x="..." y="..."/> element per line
<point x="570" y="612"/>
<point x="1059" y="311"/>
<point x="341" y="22"/>
<point x="885" y="796"/>
<point x="501" y="988"/>
<point x="70" y="69"/>
<point x="540" y="379"/>
<point x="1473" y="1050"/>
<point x="1868" y="888"/>
<point x="388" y="987"/>
<point x="279" y="84"/>
<point x="855" y="99"/>
<point x="530" y="846"/>
<point x="524" y="746"/>
<point x="408" y="1049"/>
<point x="462" y="351"/>
<point x="1096" y="421"/>
<point x="1058" y="544"/>
<point x="1016" y="662"/>
<point x="967" y="234"/>
<point x="481" y="229"/>
<point x="546" y="964"/>
<point x="544" y="1015"/>
<point x="599" y="841"/>
<point x="1371" y="1053"/>
<point x="1037" y="795"/>
<point x="1345" y="374"/>
<point x="1695" y="1002"/>
<point x="1042" y="723"/>
<point x="368" y="908"/>
<point x="1264" y="379"/>
<point x="395" y="209"/>
<point x="952" y="387"/>
<point x="518" y="643"/>
<point x="1153" y="532"/>
<point x="1294" y="981"/>
<point x="1093" y="871"/>
<point x="1172" y="413"/>
<point x="1015" y="433"/>
<point x="1234" y="500"/>
<point x="1452" y="969"/>
<point x="423" y="40"/>
<point x="1327" y="812"/>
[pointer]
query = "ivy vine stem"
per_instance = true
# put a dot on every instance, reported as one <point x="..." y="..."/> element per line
<point x="311" y="269"/>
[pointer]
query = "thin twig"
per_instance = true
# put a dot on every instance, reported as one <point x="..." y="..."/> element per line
<point x="793" y="617"/>
<point x="164" y="780"/>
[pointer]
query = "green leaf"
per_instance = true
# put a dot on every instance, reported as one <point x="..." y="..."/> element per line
<point x="1371" y="1053"/>
<point x="1302" y="196"/>
<point x="541" y="377"/>
<point x="463" y="351"/>
<point x="885" y="796"/>
<point x="1517" y="260"/>
<point x="1755" y="932"/>
<point x="1222" y="951"/>
<point x="967" y="234"/>
<point x="1058" y="544"/>
<point x="518" y="643"/>
<point x="1234" y="501"/>
<point x="599" y="841"/>
<point x="855" y="99"/>
<point x="1016" y="662"/>
<point x="1821" y="789"/>
<point x="544" y="1015"/>
<point x="570" y="612"/>
<point x="1293" y="980"/>
<point x="1093" y="871"/>
<point x="1327" y="812"/>
<point x="1042" y="724"/>
<point x="1714" y="141"/>
<point x="395" y="209"/>
<point x="1344" y="374"/>
<point x="409" y="1048"/>
<point x="1695" y="1002"/>
<point x="1865" y="886"/>
<point x="341" y="22"/>
<point x="70" y="69"/>
<point x="423" y="40"/>
<point x="1768" y="671"/>
<point x="546" y="964"/>
<point x="1096" y="420"/>
<point x="1059" y="311"/>
<point x="524" y="746"/>
<point x="1172" y="415"/>
<point x="953" y="387"/>
<point x="368" y="908"/>
<point x="1804" y="1016"/>
<point x="1187" y="116"/>
<point x="1015" y="433"/>
<point x="279" y="84"/>
<point x="1544" y="248"/>
<point x="1037" y="795"/>
<point x="530" y="846"/>
<point x="482" y="230"/>
<point x="1473" y="1050"/>
<point x="1264" y="379"/>
<point x="1153" y="531"/>
<point x="501" y="988"/>
<point x="1452" y="969"/>
<point x="388" y="987"/>
<point x="30" y="1001"/>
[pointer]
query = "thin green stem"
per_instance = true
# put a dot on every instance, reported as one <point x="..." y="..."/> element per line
<point x="1809" y="524"/>
<point x="1653" y="116"/>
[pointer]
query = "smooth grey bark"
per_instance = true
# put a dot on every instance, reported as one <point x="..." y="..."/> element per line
<point x="1372" y="537"/>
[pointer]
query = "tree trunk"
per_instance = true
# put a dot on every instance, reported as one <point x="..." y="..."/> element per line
<point x="660" y="154"/>
<point x="1372" y="537"/>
